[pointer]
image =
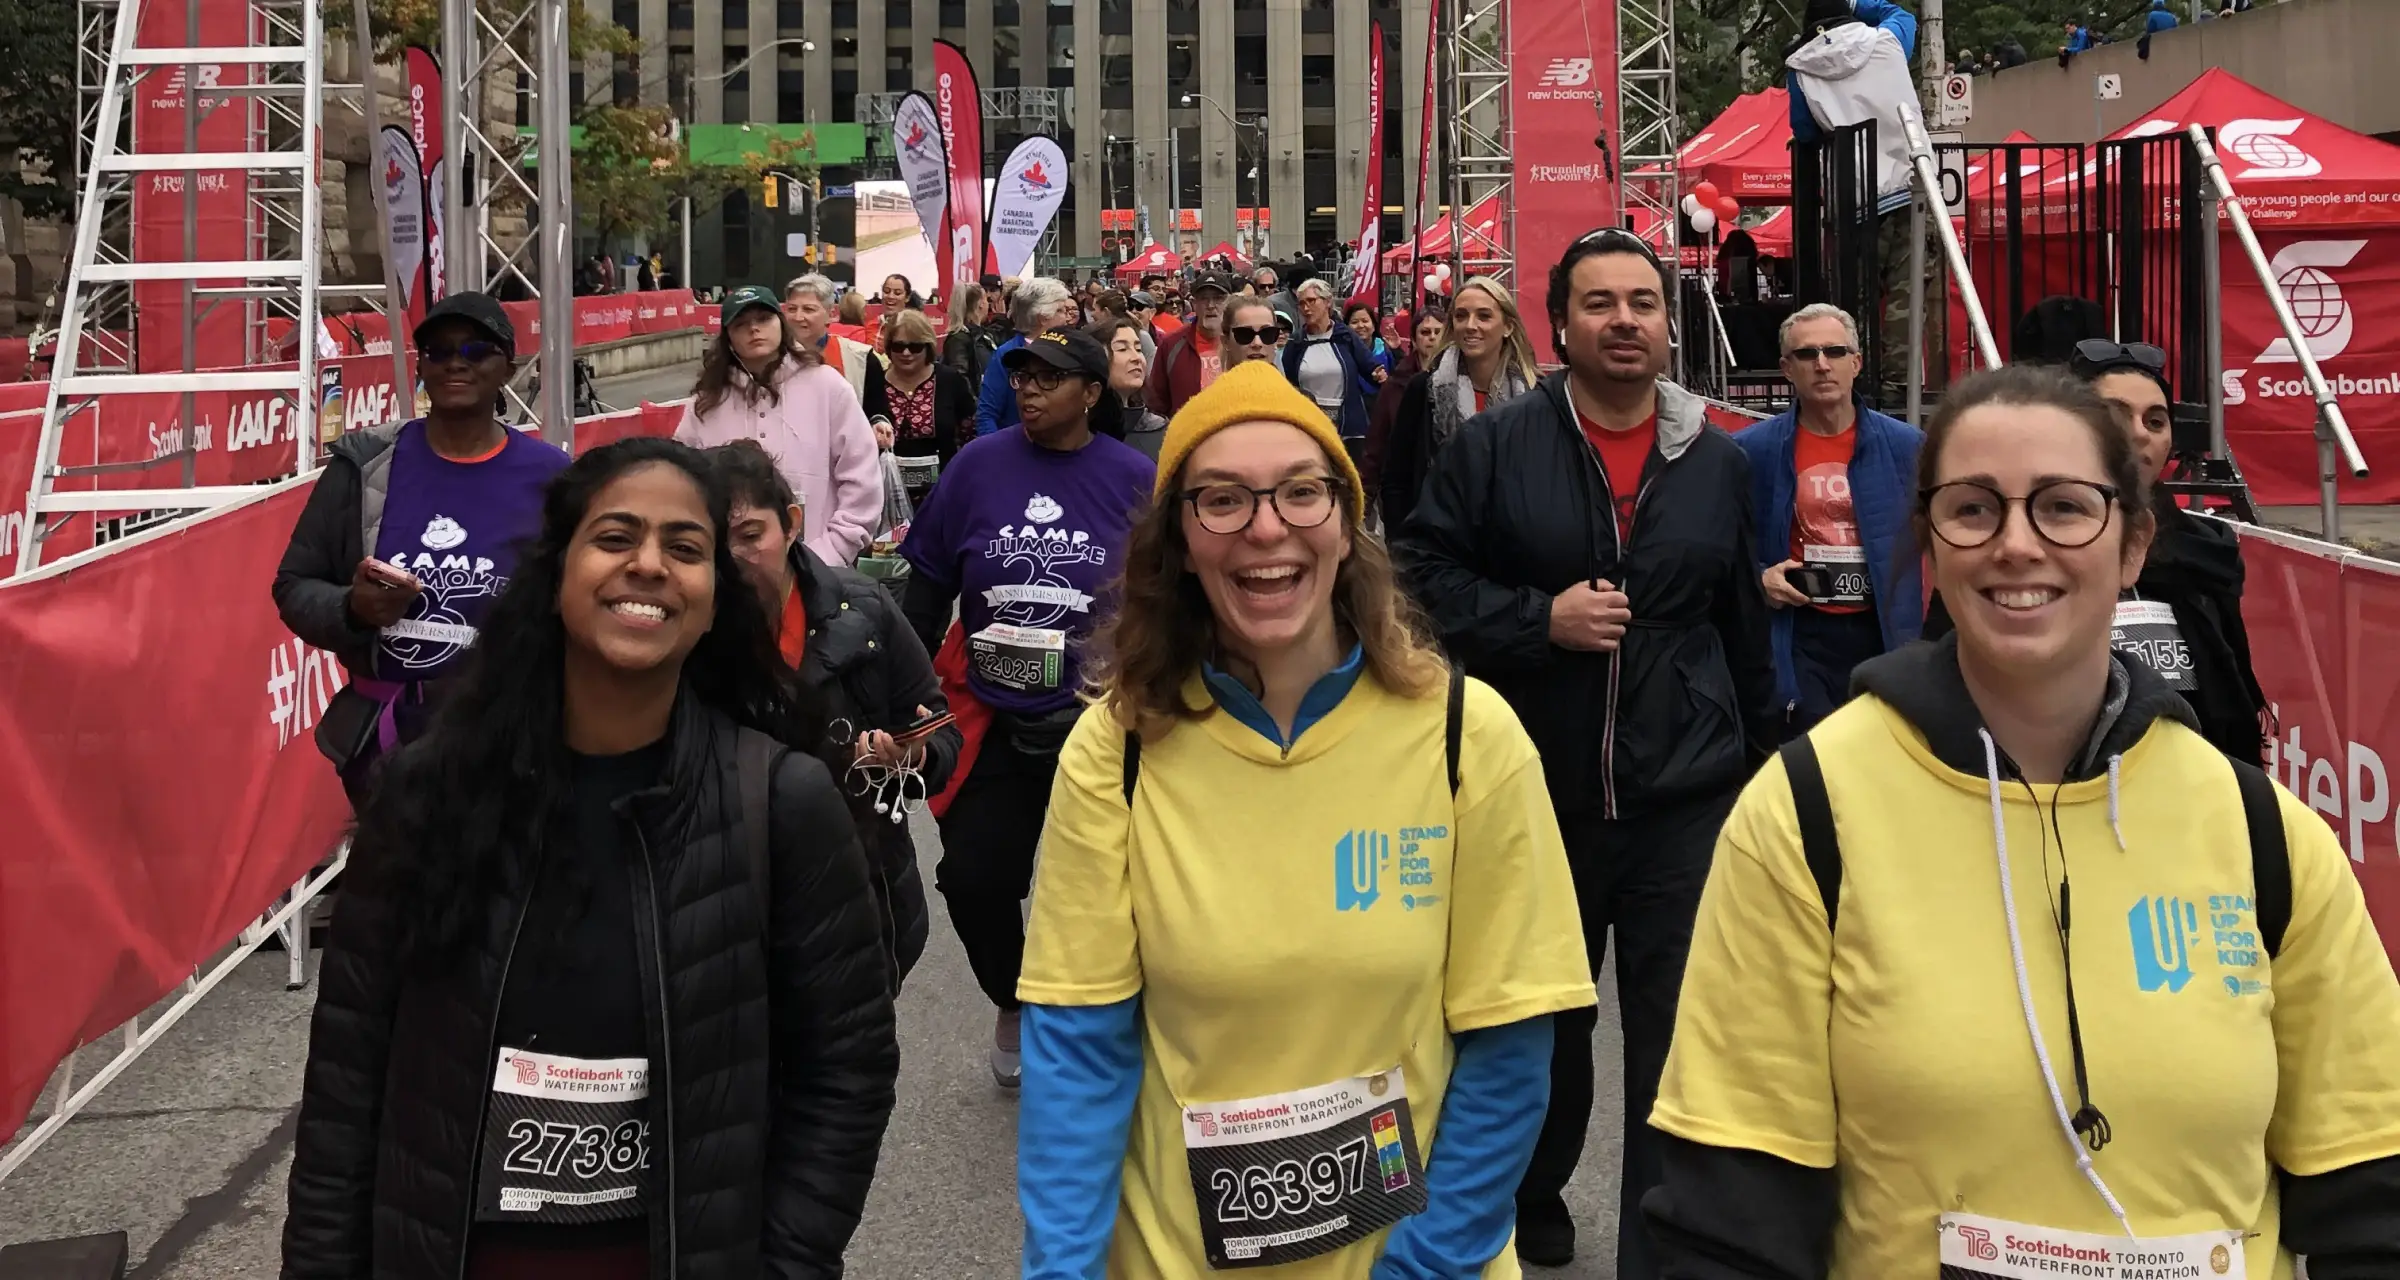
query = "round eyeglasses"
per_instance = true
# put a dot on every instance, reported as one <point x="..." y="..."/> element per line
<point x="1302" y="502"/>
<point x="2064" y="513"/>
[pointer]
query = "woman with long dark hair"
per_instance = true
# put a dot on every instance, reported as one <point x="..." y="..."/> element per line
<point x="760" y="381"/>
<point x="605" y="995"/>
<point x="1022" y="539"/>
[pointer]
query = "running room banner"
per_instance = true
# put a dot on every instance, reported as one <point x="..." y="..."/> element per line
<point x="149" y="819"/>
<point x="425" y="129"/>
<point x="178" y="109"/>
<point x="1025" y="200"/>
<point x="924" y="163"/>
<point x="2344" y="289"/>
<point x="1432" y="110"/>
<point x="958" y="101"/>
<point x="1366" y="268"/>
<point x="1564" y="67"/>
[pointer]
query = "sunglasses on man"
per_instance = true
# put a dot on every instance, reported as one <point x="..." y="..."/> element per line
<point x="1830" y="351"/>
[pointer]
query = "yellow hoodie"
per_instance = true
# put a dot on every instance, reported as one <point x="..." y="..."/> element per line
<point x="1896" y="1050"/>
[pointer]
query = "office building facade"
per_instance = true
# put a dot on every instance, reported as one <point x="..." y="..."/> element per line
<point x="1277" y="119"/>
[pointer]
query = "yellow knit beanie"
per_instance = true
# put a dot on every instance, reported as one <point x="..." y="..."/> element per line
<point x="1254" y="391"/>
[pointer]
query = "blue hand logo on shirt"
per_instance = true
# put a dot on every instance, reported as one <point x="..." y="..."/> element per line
<point x="1358" y="859"/>
<point x="2164" y="932"/>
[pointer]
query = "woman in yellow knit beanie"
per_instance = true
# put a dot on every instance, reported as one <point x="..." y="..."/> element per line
<point x="1302" y="914"/>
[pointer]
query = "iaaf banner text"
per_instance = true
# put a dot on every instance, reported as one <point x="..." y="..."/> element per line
<point x="2344" y="289"/>
<point x="1564" y="56"/>
<point x="158" y="773"/>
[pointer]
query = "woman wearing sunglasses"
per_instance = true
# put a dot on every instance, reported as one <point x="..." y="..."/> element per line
<point x="930" y="405"/>
<point x="396" y="587"/>
<point x="2004" y="966"/>
<point x="1303" y="914"/>
<point x="1022" y="538"/>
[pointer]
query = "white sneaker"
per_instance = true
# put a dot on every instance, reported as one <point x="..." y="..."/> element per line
<point x="1008" y="1062"/>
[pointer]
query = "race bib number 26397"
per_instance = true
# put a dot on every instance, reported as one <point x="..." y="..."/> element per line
<point x="1294" y="1175"/>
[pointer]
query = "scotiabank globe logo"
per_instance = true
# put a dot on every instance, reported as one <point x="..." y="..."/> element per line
<point x="2267" y="145"/>
<point x="2303" y="272"/>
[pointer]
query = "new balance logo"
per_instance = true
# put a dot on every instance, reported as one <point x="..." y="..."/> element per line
<point x="1567" y="73"/>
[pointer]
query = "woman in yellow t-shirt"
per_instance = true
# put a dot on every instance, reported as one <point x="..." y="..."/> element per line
<point x="1302" y="903"/>
<point x="2007" y="972"/>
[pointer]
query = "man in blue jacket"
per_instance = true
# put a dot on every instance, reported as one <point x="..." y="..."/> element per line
<point x="2160" y="19"/>
<point x="1831" y="486"/>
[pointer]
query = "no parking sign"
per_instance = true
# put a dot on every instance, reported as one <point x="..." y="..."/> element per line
<point x="1956" y="103"/>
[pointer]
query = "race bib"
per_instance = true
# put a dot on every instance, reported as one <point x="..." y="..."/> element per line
<point x="918" y="473"/>
<point x="1979" y="1248"/>
<point x="1844" y="567"/>
<point x="565" y="1140"/>
<point x="2146" y="630"/>
<point x="1026" y="659"/>
<point x="1294" y="1175"/>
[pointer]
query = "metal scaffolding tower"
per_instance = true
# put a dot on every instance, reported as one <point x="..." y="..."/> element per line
<point x="274" y="80"/>
<point x="1476" y="132"/>
<point x="1647" y="132"/>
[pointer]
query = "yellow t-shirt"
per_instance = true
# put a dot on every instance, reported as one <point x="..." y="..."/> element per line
<point x="1267" y="961"/>
<point x="1896" y="1051"/>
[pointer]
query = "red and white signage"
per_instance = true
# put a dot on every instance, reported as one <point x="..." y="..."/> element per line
<point x="1416" y="232"/>
<point x="1564" y="56"/>
<point x="179" y="109"/>
<point x="2344" y="290"/>
<point x="958" y="101"/>
<point x="1366" y="265"/>
<point x="425" y="129"/>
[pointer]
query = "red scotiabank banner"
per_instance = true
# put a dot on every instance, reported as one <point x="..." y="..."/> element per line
<point x="157" y="771"/>
<point x="176" y="109"/>
<point x="1564" y="56"/>
<point x="2322" y="624"/>
<point x="2344" y="288"/>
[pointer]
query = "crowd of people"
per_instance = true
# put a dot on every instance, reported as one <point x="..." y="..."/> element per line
<point x="1306" y="707"/>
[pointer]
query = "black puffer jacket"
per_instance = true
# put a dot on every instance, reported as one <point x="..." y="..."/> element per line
<point x="336" y="529"/>
<point x="1516" y="510"/>
<point x="874" y="673"/>
<point x="771" y="1039"/>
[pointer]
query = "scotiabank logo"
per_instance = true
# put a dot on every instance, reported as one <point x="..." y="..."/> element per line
<point x="1567" y="73"/>
<point x="2301" y="273"/>
<point x="2267" y="145"/>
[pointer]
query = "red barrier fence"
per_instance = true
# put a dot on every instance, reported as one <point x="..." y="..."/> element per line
<point x="157" y="773"/>
<point x="2322" y="626"/>
<point x="605" y="317"/>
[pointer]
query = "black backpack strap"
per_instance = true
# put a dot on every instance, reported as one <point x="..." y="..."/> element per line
<point x="754" y="768"/>
<point x="1455" y="725"/>
<point x="2270" y="861"/>
<point x="1817" y="839"/>
<point x="1133" y="764"/>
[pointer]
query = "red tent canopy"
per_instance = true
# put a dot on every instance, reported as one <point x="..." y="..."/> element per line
<point x="1483" y="229"/>
<point x="1746" y="152"/>
<point x="1226" y="251"/>
<point x="1154" y="259"/>
<point x="2288" y="166"/>
<point x="1774" y="236"/>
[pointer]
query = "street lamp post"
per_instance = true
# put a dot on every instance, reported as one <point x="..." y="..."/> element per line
<point x="691" y="115"/>
<point x="1239" y="124"/>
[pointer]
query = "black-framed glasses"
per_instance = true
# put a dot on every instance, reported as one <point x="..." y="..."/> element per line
<point x="2064" y="513"/>
<point x="1303" y="502"/>
<point x="473" y="351"/>
<point x="1244" y="335"/>
<point x="1808" y="355"/>
<point x="908" y="348"/>
<point x="1046" y="378"/>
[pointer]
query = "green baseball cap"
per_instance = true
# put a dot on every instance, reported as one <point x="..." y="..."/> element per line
<point x="746" y="297"/>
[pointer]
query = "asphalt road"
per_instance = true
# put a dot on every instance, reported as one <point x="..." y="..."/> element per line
<point x="188" y="1152"/>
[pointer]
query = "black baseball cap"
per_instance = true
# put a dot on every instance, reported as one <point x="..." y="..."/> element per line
<point x="479" y="309"/>
<point x="1070" y="349"/>
<point x="1141" y="298"/>
<point x="1216" y="280"/>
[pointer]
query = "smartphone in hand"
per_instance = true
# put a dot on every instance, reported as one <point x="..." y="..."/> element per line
<point x="391" y="577"/>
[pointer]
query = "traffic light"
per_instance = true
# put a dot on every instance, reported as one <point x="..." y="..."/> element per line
<point x="767" y="186"/>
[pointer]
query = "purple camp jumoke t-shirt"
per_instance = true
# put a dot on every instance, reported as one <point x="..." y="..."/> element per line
<point x="458" y="527"/>
<point x="1029" y="537"/>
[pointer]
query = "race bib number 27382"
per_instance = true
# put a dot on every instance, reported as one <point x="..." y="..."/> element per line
<point x="1294" y="1175"/>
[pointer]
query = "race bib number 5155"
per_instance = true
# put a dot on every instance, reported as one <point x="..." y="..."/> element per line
<point x="1294" y="1175"/>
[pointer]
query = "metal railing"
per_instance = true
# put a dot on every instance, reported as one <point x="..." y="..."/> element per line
<point x="1929" y="196"/>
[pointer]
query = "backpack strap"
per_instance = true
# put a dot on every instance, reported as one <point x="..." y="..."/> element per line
<point x="1133" y="764"/>
<point x="2270" y="861"/>
<point x="754" y="768"/>
<point x="1454" y="725"/>
<point x="1817" y="838"/>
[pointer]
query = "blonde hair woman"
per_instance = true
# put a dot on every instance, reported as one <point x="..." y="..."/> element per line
<point x="1283" y="778"/>
<point x="1486" y="362"/>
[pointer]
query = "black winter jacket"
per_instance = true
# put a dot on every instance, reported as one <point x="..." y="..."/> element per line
<point x="343" y="516"/>
<point x="2195" y="568"/>
<point x="1516" y="510"/>
<point x="874" y="673"/>
<point x="770" y="1038"/>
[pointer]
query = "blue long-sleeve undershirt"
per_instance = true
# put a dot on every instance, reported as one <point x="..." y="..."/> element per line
<point x="996" y="401"/>
<point x="1499" y="1090"/>
<point x="1083" y="1073"/>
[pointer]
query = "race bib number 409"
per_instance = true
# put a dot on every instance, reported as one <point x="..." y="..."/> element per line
<point x="1294" y="1175"/>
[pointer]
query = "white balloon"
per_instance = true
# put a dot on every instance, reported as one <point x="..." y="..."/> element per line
<point x="1704" y="221"/>
<point x="1443" y="271"/>
<point x="1691" y="205"/>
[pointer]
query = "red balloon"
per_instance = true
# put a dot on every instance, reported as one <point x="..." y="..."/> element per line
<point x="1706" y="193"/>
<point x="1728" y="209"/>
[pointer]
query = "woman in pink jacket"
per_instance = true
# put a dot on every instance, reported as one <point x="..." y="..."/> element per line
<point x="759" y="383"/>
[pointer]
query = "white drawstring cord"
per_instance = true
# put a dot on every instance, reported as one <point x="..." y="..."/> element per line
<point x="2016" y="953"/>
<point x="2113" y="824"/>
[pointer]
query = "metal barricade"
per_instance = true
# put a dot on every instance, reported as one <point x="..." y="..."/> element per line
<point x="1837" y="254"/>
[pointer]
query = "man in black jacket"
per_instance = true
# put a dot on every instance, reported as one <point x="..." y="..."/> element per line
<point x="1585" y="549"/>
